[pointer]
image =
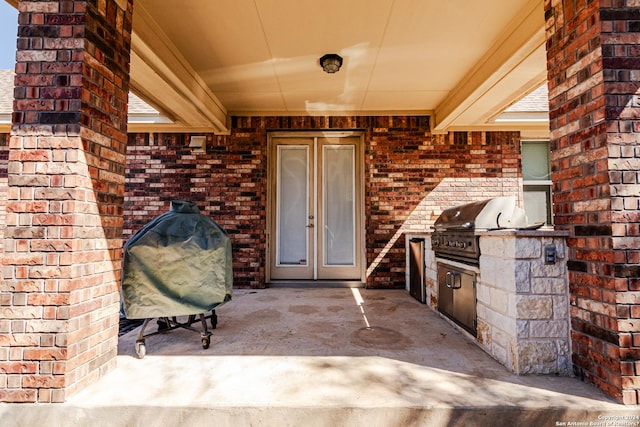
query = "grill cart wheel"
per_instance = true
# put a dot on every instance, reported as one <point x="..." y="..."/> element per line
<point x="141" y="349"/>
<point x="206" y="339"/>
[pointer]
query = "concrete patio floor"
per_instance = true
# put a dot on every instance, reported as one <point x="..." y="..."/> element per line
<point x="322" y="357"/>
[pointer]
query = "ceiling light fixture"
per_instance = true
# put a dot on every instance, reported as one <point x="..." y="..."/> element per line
<point x="331" y="63"/>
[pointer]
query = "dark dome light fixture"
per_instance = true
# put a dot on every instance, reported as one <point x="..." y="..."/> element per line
<point x="331" y="63"/>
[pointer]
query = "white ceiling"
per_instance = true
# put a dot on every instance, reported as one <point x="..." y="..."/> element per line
<point x="461" y="61"/>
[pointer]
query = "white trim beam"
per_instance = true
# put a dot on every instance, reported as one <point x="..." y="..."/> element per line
<point x="165" y="79"/>
<point x="522" y="38"/>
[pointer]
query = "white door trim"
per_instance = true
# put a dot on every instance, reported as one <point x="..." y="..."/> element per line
<point x="272" y="202"/>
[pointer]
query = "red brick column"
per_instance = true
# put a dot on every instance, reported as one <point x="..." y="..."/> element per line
<point x="59" y="298"/>
<point x="594" y="75"/>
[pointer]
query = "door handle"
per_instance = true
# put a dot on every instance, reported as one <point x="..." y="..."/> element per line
<point x="453" y="280"/>
<point x="456" y="280"/>
<point x="310" y="226"/>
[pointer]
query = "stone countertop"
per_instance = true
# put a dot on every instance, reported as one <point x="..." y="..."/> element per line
<point x="541" y="232"/>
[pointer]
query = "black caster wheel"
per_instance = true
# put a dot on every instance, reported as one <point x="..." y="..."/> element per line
<point x="206" y="341"/>
<point x="141" y="349"/>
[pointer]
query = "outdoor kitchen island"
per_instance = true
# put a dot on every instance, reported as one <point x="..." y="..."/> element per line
<point x="521" y="296"/>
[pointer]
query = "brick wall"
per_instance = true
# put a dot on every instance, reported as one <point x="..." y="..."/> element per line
<point x="227" y="183"/>
<point x="4" y="156"/>
<point x="594" y="72"/>
<point x="59" y="298"/>
<point x="452" y="169"/>
<point x="409" y="176"/>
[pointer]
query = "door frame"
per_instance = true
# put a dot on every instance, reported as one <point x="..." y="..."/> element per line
<point x="271" y="194"/>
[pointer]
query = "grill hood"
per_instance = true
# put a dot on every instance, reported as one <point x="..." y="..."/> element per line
<point x="496" y="213"/>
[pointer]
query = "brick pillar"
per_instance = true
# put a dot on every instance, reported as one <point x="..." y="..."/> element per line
<point x="593" y="51"/>
<point x="59" y="298"/>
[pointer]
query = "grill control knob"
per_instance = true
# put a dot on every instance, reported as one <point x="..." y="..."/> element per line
<point x="462" y="244"/>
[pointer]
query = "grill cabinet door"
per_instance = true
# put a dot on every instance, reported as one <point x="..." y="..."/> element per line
<point x="445" y="293"/>
<point x="457" y="295"/>
<point x="464" y="300"/>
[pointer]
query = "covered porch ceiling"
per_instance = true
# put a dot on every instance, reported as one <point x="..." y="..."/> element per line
<point x="462" y="62"/>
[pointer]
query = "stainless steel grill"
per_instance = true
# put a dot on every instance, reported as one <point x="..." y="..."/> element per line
<point x="454" y="235"/>
<point x="455" y="241"/>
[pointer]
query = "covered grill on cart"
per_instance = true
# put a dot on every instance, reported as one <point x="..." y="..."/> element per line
<point x="177" y="266"/>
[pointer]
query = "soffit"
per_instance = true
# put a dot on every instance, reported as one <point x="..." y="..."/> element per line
<point x="198" y="62"/>
<point x="400" y="56"/>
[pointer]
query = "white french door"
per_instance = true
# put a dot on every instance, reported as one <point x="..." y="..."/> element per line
<point x="315" y="208"/>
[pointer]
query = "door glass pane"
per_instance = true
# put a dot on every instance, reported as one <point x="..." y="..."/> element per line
<point x="339" y="205"/>
<point x="293" y="162"/>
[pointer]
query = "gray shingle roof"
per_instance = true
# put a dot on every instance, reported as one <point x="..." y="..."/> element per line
<point x="536" y="101"/>
<point x="138" y="106"/>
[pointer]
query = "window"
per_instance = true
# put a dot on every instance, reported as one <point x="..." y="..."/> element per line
<point x="536" y="175"/>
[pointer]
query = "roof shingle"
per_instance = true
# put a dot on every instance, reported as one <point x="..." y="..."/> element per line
<point x="536" y="101"/>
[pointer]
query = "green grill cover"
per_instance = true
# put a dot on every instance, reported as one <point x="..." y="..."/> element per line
<point x="178" y="264"/>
